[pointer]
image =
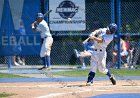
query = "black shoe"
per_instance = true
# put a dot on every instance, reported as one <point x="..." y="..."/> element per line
<point x="42" y="68"/>
<point x="112" y="79"/>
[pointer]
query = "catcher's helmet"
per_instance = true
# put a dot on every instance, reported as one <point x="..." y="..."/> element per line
<point x="112" y="27"/>
<point x="40" y="15"/>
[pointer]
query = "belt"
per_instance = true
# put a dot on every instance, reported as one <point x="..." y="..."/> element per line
<point x="98" y="50"/>
<point x="47" y="36"/>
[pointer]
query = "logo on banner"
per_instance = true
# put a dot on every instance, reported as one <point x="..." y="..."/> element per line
<point x="67" y="9"/>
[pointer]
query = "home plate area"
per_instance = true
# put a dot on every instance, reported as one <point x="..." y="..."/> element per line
<point x="70" y="89"/>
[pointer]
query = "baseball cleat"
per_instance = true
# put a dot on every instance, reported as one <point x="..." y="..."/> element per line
<point x="42" y="68"/>
<point x="45" y="68"/>
<point x="112" y="79"/>
<point x="84" y="67"/>
<point x="89" y="84"/>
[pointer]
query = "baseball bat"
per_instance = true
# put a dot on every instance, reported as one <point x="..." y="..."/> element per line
<point x="47" y="13"/>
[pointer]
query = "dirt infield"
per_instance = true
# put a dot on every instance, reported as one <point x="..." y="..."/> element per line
<point x="68" y="89"/>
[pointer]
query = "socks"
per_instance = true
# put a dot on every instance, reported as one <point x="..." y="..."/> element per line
<point x="48" y="61"/>
<point x="44" y="61"/>
<point x="108" y="74"/>
<point x="91" y="75"/>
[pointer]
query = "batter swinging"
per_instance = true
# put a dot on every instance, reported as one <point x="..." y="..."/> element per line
<point x="102" y="37"/>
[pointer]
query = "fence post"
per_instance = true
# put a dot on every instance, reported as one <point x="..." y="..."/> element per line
<point x="9" y="62"/>
<point x="9" y="33"/>
<point x="118" y="12"/>
<point x="112" y="11"/>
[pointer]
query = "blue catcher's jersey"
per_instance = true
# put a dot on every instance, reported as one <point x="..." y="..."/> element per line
<point x="88" y="46"/>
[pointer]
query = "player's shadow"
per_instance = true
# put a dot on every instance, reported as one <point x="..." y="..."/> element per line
<point x="76" y="85"/>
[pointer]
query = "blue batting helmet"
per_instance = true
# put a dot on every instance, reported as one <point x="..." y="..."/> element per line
<point x="40" y="15"/>
<point x="112" y="27"/>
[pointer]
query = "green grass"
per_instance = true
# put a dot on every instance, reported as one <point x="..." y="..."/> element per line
<point x="84" y="73"/>
<point x="126" y="72"/>
<point x="4" y="75"/>
<point x="5" y="95"/>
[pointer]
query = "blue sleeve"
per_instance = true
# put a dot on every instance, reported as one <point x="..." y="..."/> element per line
<point x="85" y="46"/>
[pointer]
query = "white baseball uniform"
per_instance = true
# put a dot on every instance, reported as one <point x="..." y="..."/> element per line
<point x="47" y="38"/>
<point x="98" y="58"/>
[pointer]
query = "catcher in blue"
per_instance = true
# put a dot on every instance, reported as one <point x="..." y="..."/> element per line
<point x="88" y="49"/>
<point x="47" y="40"/>
<point x="102" y="37"/>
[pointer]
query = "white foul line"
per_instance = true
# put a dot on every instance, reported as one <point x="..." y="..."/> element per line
<point x="61" y="94"/>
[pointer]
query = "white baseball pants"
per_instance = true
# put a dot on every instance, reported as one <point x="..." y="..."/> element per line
<point x="46" y="47"/>
<point x="98" y="61"/>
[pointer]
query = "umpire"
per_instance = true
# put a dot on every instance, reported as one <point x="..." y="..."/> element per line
<point x="47" y="40"/>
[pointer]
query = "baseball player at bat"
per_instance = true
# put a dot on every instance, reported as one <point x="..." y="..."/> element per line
<point x="102" y="37"/>
<point x="46" y="37"/>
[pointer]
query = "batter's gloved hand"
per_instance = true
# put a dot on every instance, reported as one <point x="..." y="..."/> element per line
<point x="91" y="35"/>
<point x="34" y="24"/>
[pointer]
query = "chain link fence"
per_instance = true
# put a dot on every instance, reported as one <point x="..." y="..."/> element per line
<point x="130" y="17"/>
<point x="98" y="15"/>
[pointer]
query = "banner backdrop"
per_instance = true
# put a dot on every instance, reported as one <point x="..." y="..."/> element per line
<point x="16" y="35"/>
<point x="67" y="15"/>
